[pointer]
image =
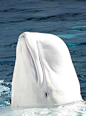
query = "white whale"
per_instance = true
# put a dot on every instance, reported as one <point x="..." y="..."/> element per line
<point x="44" y="73"/>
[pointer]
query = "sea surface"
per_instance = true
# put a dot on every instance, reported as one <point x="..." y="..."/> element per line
<point x="64" y="18"/>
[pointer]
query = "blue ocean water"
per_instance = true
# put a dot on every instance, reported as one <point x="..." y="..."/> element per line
<point x="66" y="19"/>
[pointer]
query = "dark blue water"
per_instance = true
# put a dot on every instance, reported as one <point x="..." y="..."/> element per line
<point x="66" y="19"/>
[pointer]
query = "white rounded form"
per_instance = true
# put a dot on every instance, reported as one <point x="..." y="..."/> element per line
<point x="44" y="73"/>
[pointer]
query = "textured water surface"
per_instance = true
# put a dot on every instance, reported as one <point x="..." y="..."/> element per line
<point x="66" y="19"/>
<point x="74" y="109"/>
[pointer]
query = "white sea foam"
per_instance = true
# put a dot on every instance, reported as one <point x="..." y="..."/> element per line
<point x="74" y="109"/>
<point x="5" y="94"/>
